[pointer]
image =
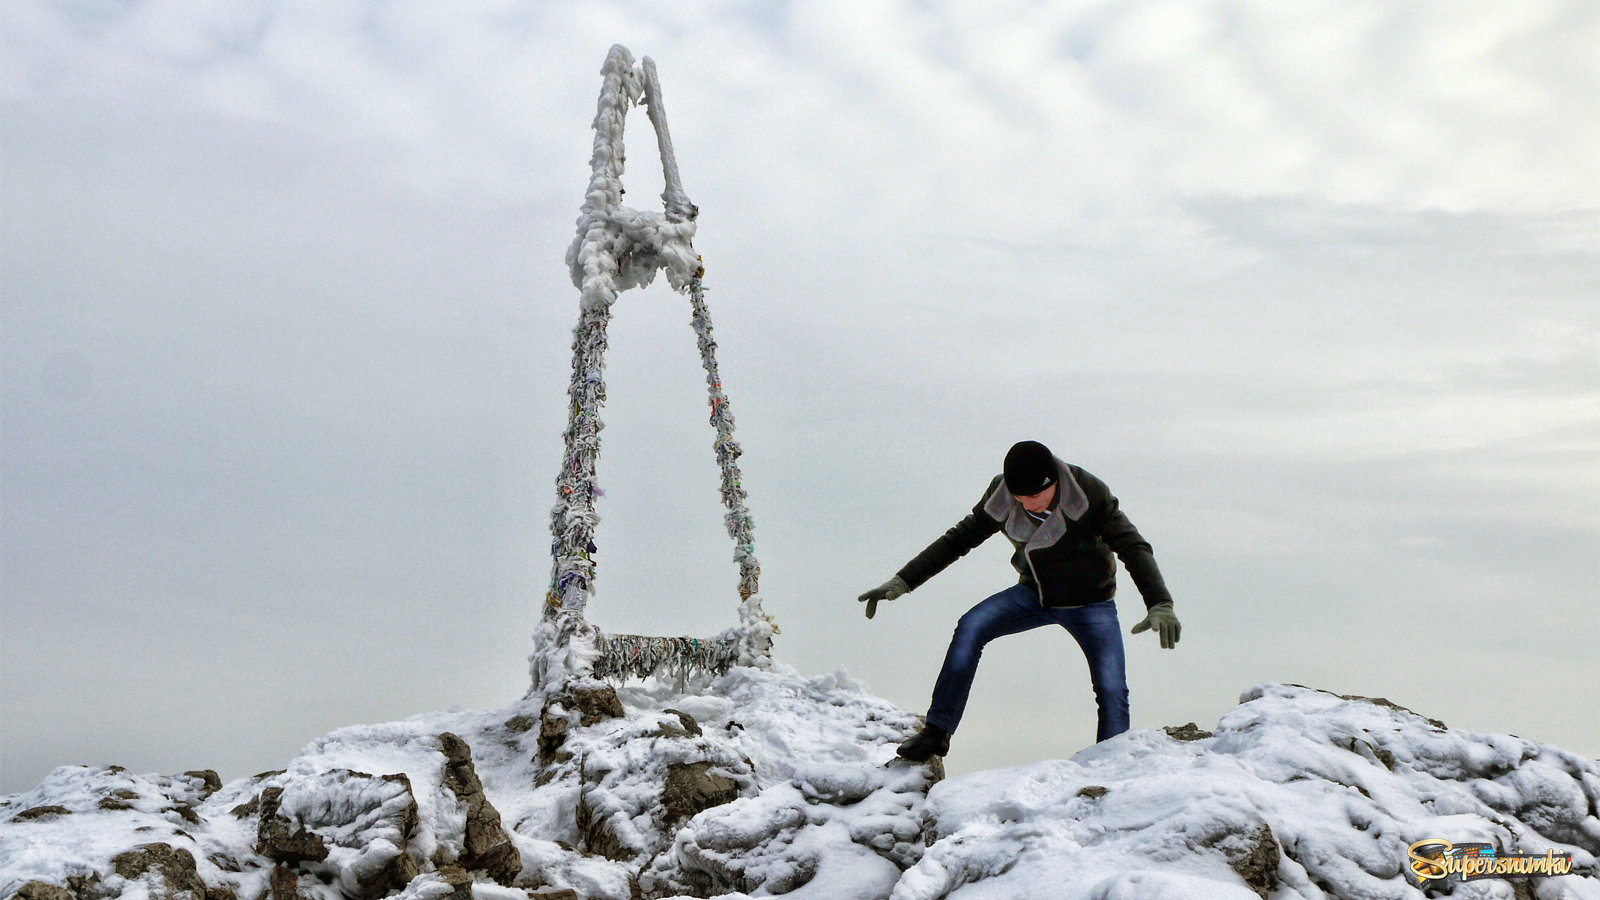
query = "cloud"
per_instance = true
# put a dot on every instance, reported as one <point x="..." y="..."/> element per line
<point x="1068" y="108"/>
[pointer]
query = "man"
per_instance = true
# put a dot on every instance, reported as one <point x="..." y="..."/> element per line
<point x="1064" y="525"/>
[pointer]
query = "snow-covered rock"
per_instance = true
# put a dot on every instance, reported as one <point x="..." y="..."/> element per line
<point x="1298" y="793"/>
<point x="729" y="784"/>
<point x="766" y="782"/>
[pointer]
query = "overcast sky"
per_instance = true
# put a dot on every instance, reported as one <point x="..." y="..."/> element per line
<point x="286" y="336"/>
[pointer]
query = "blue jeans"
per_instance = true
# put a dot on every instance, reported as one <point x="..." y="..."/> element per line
<point x="1017" y="609"/>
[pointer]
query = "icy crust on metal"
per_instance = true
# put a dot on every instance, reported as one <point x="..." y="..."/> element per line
<point x="617" y="248"/>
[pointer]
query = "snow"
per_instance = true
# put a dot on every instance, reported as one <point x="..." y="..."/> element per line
<point x="1344" y="786"/>
<point x="818" y="807"/>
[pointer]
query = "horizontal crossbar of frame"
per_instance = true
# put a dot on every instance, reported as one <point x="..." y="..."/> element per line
<point x="623" y="656"/>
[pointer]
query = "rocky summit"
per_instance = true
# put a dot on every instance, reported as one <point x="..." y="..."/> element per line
<point x="764" y="782"/>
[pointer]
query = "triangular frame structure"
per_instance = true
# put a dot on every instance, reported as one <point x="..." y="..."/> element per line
<point x="618" y="248"/>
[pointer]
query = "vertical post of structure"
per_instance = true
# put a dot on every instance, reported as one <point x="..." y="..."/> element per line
<point x="562" y="634"/>
<point x="755" y="629"/>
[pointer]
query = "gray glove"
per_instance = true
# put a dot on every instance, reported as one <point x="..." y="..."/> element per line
<point x="1160" y="618"/>
<point x="889" y="590"/>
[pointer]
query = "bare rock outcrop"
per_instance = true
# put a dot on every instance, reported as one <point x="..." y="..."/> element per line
<point x="169" y="872"/>
<point x="485" y="845"/>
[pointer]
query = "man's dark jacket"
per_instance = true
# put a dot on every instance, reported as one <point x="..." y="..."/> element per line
<point x="1068" y="557"/>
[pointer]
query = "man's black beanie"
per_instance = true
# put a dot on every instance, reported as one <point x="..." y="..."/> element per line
<point x="1030" y="468"/>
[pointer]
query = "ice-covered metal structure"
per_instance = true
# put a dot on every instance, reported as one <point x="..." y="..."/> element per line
<point x="617" y="248"/>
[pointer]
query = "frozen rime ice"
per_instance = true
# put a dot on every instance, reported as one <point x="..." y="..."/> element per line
<point x="618" y="247"/>
<point x="763" y="781"/>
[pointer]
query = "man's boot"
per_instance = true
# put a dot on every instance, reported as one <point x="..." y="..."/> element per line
<point x="930" y="741"/>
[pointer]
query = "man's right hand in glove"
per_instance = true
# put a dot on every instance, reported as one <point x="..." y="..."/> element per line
<point x="1160" y="618"/>
<point x="889" y="590"/>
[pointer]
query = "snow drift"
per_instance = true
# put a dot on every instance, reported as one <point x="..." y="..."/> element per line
<point x="766" y="782"/>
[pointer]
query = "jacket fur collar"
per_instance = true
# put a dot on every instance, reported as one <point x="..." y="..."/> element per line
<point x="1071" y="504"/>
